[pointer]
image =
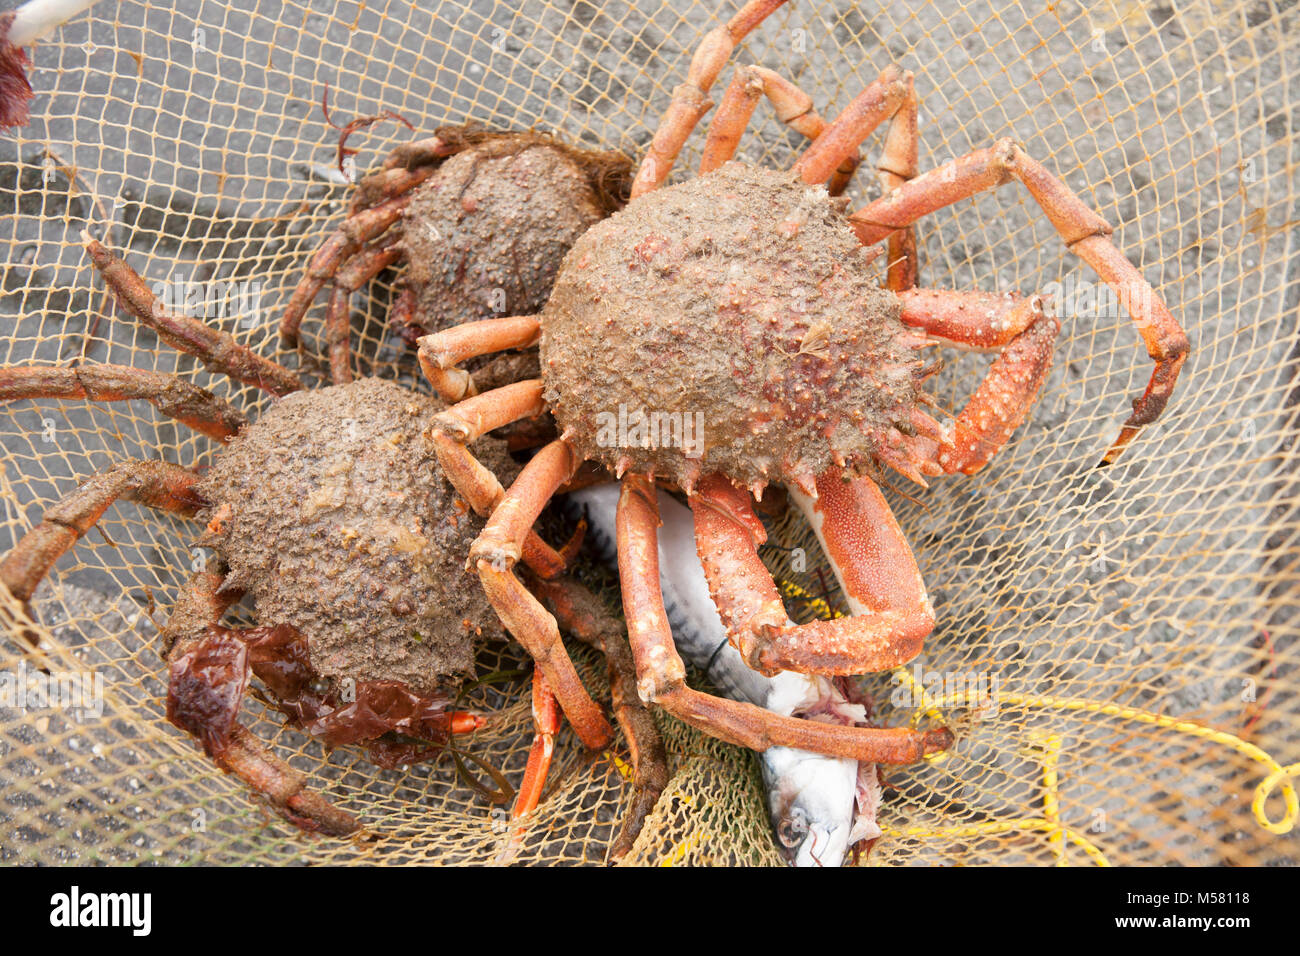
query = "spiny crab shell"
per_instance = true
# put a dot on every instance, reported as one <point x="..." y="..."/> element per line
<point x="486" y="234"/>
<point x="332" y="512"/>
<point x="740" y="302"/>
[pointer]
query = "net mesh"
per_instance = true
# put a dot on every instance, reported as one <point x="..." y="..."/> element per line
<point x="1139" y="621"/>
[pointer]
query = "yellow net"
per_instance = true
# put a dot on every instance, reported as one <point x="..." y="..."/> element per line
<point x="1139" y="623"/>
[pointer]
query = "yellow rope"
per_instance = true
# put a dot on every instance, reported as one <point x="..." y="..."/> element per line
<point x="1047" y="748"/>
<point x="1278" y="774"/>
<point x="1001" y="826"/>
<point x="621" y="765"/>
<point x="682" y="849"/>
<point x="819" y="607"/>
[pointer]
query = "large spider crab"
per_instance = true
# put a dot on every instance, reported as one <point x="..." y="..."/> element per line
<point x="743" y="295"/>
<point x="331" y="513"/>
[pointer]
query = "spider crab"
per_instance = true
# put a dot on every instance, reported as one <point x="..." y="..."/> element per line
<point x="480" y="220"/>
<point x="743" y="296"/>
<point x="330" y="512"/>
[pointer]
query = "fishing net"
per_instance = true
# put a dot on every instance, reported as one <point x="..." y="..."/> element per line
<point x="1137" y="625"/>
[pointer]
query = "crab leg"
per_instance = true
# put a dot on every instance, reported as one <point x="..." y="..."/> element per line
<point x="996" y="409"/>
<point x="344" y="243"/>
<point x="977" y="320"/>
<point x="1002" y="400"/>
<point x="204" y="707"/>
<point x="898" y="165"/>
<point x="284" y="788"/>
<point x="387" y="183"/>
<point x="793" y="106"/>
<point x="196" y="407"/>
<point x="421" y="153"/>
<point x="583" y="615"/>
<point x="462" y="424"/>
<point x="1082" y="230"/>
<point x="441" y="352"/>
<point x="363" y="267"/>
<point x="401" y="318"/>
<point x="468" y="421"/>
<point x="368" y="263"/>
<point x="662" y="675"/>
<point x="338" y="335"/>
<point x="546" y="724"/>
<point x="157" y="484"/>
<point x="580" y="613"/>
<point x="379" y="201"/>
<point x="494" y="554"/>
<point x="218" y="350"/>
<point x="343" y="256"/>
<point x="892" y="615"/>
<point x="690" y="100"/>
<point x="477" y="415"/>
<point x="891" y="97"/>
<point x="867" y="549"/>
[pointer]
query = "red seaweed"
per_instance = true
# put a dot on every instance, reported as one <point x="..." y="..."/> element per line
<point x="15" y="92"/>
<point x="206" y="687"/>
<point x="208" y="682"/>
